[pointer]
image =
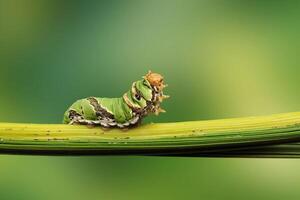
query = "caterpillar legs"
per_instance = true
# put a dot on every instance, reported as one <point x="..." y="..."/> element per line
<point x="80" y="120"/>
<point x="104" y="122"/>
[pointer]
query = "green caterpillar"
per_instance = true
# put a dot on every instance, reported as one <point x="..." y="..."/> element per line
<point x="143" y="98"/>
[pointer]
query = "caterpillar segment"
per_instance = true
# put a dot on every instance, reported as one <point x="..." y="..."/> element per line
<point x="143" y="98"/>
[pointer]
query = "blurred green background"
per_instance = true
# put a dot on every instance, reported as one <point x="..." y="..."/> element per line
<point x="220" y="58"/>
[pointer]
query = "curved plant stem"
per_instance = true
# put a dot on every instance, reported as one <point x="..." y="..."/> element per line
<point x="226" y="137"/>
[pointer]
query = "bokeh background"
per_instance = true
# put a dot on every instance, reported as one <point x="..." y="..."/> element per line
<point x="220" y="58"/>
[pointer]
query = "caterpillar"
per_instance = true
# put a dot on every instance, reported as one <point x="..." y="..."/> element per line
<point x="143" y="98"/>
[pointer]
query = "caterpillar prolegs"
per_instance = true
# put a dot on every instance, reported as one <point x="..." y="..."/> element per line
<point x="143" y="98"/>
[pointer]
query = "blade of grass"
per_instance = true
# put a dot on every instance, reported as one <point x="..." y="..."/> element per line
<point x="179" y="138"/>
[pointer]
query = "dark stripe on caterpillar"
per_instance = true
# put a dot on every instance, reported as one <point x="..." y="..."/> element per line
<point x="100" y="112"/>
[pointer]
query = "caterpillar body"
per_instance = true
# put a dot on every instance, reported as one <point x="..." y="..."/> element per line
<point x="143" y="98"/>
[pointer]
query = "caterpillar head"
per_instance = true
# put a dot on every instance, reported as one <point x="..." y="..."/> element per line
<point x="156" y="80"/>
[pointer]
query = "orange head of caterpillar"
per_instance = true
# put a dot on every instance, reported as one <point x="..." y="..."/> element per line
<point x="156" y="80"/>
